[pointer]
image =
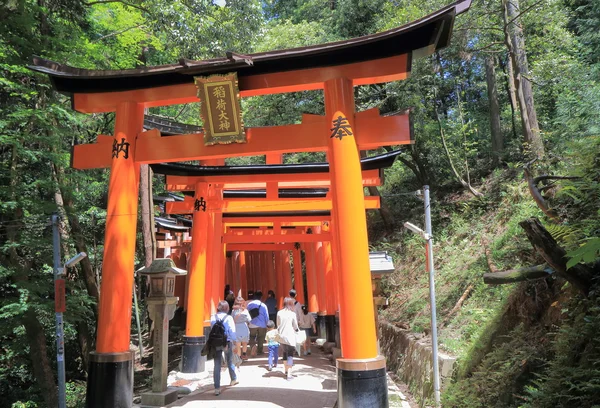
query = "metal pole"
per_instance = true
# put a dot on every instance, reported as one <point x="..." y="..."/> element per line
<point x="430" y="268"/>
<point x="137" y="320"/>
<point x="60" y="338"/>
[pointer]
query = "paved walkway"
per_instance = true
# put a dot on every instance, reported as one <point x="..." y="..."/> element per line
<point x="314" y="386"/>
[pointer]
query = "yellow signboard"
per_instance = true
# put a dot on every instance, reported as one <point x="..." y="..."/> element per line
<point x="220" y="109"/>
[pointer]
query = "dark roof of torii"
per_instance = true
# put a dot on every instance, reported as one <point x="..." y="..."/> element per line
<point x="369" y="163"/>
<point x="434" y="29"/>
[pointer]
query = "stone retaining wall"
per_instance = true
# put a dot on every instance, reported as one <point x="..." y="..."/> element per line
<point x="409" y="355"/>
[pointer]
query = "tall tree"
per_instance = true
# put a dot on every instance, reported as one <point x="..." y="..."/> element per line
<point x="515" y="42"/>
<point x="496" y="130"/>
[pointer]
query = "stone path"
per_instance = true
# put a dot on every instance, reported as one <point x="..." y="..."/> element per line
<point x="313" y="386"/>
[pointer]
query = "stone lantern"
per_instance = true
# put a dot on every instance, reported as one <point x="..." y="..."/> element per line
<point x="161" y="307"/>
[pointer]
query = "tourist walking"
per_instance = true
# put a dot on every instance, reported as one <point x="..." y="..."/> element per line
<point x="258" y="325"/>
<point x="307" y="323"/>
<point x="273" y="344"/>
<point x="287" y="326"/>
<point x="229" y="325"/>
<point x="271" y="303"/>
<point x="241" y="317"/>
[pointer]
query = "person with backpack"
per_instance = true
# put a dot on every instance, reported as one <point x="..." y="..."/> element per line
<point x="258" y="325"/>
<point x="221" y="338"/>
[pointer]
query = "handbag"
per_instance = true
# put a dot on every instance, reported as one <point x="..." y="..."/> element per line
<point x="300" y="337"/>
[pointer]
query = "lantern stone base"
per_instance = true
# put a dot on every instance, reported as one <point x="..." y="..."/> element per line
<point x="159" y="399"/>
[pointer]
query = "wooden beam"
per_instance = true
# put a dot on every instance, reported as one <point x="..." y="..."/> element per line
<point x="301" y="180"/>
<point x="257" y="205"/>
<point x="260" y="247"/>
<point x="373" y="131"/>
<point x="272" y="224"/>
<point x="394" y="68"/>
<point x="260" y="239"/>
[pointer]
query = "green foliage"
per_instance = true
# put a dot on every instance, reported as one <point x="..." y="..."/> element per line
<point x="571" y="376"/>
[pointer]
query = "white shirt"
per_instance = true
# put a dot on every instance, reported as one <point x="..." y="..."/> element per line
<point x="287" y="325"/>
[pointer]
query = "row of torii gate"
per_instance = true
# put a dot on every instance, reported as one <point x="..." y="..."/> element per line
<point x="271" y="222"/>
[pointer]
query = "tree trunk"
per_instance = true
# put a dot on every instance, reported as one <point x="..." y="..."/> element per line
<point x="580" y="276"/>
<point x="517" y="275"/>
<point x="512" y="94"/>
<point x="147" y="212"/>
<point x="496" y="130"/>
<point x="384" y="210"/>
<point x="42" y="369"/>
<point x="515" y="42"/>
<point x="67" y="212"/>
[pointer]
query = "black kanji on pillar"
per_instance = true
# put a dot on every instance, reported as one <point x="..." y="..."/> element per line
<point x="120" y="147"/>
<point x="200" y="204"/>
<point x="340" y="128"/>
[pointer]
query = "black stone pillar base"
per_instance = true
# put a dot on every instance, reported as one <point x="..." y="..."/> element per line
<point x="362" y="383"/>
<point x="191" y="359"/>
<point x="321" y="326"/>
<point x="110" y="380"/>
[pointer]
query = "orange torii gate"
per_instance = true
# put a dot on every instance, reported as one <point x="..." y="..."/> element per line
<point x="335" y="68"/>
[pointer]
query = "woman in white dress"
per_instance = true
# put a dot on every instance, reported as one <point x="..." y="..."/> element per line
<point x="241" y="317"/>
<point x="287" y="325"/>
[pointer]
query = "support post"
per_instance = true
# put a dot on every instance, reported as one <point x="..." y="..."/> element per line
<point x="59" y="302"/>
<point x="191" y="359"/>
<point x="110" y="373"/>
<point x="287" y="271"/>
<point x="298" y="278"/>
<point x="311" y="277"/>
<point x="431" y="270"/>
<point x="243" y="274"/>
<point x="362" y="378"/>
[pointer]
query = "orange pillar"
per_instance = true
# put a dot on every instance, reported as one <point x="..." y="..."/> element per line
<point x="259" y="276"/>
<point x="281" y="291"/>
<point x="218" y="267"/>
<point x="192" y="362"/>
<point x="197" y="272"/>
<point x="330" y="283"/>
<point x="298" y="277"/>
<point x="243" y="274"/>
<point x="356" y="301"/>
<point x="209" y="307"/>
<point x="320" y="274"/>
<point x="287" y="272"/>
<point x="271" y="273"/>
<point x="107" y="385"/>
<point x="311" y="277"/>
<point x="114" y="319"/>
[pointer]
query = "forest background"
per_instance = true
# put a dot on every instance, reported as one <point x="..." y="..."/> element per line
<point x="506" y="122"/>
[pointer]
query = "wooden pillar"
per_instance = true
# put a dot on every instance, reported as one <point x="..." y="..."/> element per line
<point x="197" y="272"/>
<point x="110" y="370"/>
<point x="272" y="274"/>
<point x="356" y="301"/>
<point x="281" y="291"/>
<point x="320" y="274"/>
<point x="311" y="277"/>
<point x="218" y="267"/>
<point x="243" y="274"/>
<point x="298" y="276"/>
<point x="259" y="275"/>
<point x="330" y="282"/>
<point x="287" y="272"/>
<point x="114" y="311"/>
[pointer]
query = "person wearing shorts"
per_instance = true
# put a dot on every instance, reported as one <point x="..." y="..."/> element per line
<point x="241" y="317"/>
<point x="287" y="326"/>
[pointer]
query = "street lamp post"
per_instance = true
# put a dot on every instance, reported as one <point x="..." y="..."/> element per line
<point x="60" y="307"/>
<point x="427" y="236"/>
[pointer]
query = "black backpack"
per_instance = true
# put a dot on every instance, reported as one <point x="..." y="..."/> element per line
<point x="217" y="336"/>
<point x="254" y="312"/>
